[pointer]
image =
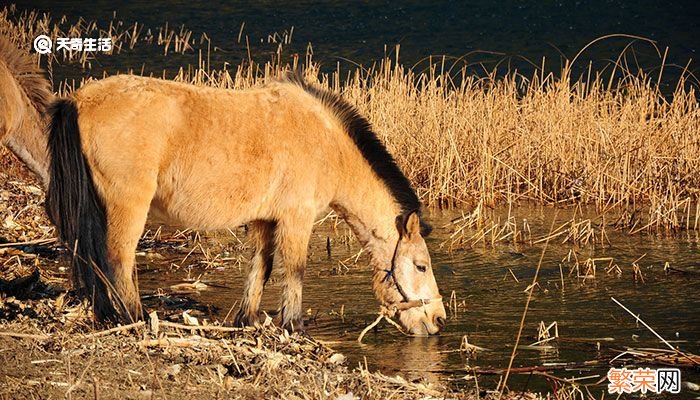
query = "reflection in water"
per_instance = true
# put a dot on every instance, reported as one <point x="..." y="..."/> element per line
<point x="416" y="358"/>
<point x="490" y="304"/>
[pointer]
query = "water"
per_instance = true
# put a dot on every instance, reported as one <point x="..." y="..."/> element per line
<point x="515" y="34"/>
<point x="491" y="304"/>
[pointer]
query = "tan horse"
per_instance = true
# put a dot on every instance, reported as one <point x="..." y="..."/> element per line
<point x="24" y="96"/>
<point x="211" y="159"/>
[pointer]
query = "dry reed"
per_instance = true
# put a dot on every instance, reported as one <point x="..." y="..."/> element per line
<point x="619" y="145"/>
<point x="626" y="150"/>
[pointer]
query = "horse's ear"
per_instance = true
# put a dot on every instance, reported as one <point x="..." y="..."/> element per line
<point x="410" y="224"/>
<point x="413" y="224"/>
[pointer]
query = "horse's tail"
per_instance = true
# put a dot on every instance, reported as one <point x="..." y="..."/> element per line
<point x="77" y="211"/>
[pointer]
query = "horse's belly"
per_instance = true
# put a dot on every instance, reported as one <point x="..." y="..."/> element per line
<point x="211" y="213"/>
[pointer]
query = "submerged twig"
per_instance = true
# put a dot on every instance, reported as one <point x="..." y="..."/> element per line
<point x="384" y="314"/>
<point x="644" y="323"/>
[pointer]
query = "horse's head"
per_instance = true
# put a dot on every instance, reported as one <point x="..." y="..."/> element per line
<point x="23" y="85"/>
<point x="409" y="287"/>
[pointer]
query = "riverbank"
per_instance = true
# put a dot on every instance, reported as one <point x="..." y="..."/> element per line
<point x="51" y="347"/>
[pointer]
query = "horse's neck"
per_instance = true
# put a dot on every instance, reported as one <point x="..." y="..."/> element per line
<point x="29" y="143"/>
<point x="371" y="211"/>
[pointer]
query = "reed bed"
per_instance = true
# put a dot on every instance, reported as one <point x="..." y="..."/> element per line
<point x="463" y="141"/>
<point x="489" y="227"/>
<point x="625" y="150"/>
<point x="551" y="140"/>
<point x="613" y="142"/>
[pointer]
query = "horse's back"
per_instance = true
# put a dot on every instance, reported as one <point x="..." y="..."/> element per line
<point x="216" y="157"/>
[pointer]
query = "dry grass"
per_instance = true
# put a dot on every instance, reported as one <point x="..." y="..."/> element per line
<point x="554" y="141"/>
<point x="557" y="141"/>
<point x="618" y="145"/>
<point x="625" y="149"/>
<point x="162" y="359"/>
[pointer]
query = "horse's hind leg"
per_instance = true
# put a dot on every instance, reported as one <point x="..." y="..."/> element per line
<point x="293" y="233"/>
<point x="263" y="235"/>
<point x="125" y="222"/>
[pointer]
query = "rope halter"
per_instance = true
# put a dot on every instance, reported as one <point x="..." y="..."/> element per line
<point x="390" y="309"/>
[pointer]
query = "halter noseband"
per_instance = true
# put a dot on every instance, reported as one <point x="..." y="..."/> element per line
<point x="405" y="303"/>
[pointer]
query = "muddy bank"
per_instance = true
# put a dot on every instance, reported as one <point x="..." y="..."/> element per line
<point x="51" y="348"/>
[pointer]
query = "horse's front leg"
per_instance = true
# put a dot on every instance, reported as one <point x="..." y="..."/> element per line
<point x="263" y="236"/>
<point x="293" y="241"/>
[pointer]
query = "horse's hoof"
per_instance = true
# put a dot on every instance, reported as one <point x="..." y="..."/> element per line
<point x="244" y="319"/>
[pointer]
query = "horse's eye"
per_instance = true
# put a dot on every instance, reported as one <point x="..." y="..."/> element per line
<point x="421" y="268"/>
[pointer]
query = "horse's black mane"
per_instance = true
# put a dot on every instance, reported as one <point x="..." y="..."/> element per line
<point x="372" y="149"/>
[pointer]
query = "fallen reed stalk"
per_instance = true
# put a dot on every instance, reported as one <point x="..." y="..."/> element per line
<point x="694" y="360"/>
<point x="643" y="323"/>
<point x="659" y="356"/>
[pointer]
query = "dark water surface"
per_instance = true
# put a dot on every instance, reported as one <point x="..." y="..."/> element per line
<point x="517" y="34"/>
<point x="491" y="303"/>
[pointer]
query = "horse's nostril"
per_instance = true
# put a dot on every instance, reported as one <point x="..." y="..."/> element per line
<point x="440" y="322"/>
